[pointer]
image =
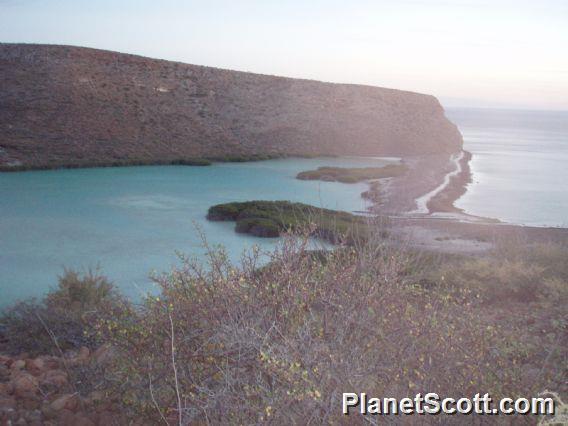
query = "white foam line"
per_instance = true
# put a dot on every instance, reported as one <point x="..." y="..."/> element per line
<point x="422" y="202"/>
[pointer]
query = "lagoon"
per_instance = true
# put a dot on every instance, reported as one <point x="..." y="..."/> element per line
<point x="132" y="220"/>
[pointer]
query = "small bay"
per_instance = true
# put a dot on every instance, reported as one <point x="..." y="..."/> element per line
<point x="132" y="220"/>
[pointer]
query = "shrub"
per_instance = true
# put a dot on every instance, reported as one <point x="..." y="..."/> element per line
<point x="513" y="272"/>
<point x="63" y="319"/>
<point x="496" y="281"/>
<point x="281" y="344"/>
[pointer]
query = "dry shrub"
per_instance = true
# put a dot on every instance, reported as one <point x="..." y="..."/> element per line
<point x="523" y="287"/>
<point x="496" y="280"/>
<point x="63" y="318"/>
<point x="513" y="272"/>
<point x="281" y="344"/>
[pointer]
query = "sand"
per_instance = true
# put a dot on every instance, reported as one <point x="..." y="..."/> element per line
<point x="420" y="207"/>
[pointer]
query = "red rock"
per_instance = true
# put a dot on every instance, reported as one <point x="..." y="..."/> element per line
<point x="103" y="354"/>
<point x="31" y="403"/>
<point x="84" y="353"/>
<point x="25" y="385"/>
<point x="18" y="365"/>
<point x="48" y="412"/>
<point x="106" y="418"/>
<point x="57" y="378"/>
<point x="35" y="366"/>
<point x="83" y="421"/>
<point x="141" y="422"/>
<point x="80" y="357"/>
<point x="6" y="388"/>
<point x="5" y="360"/>
<point x="21" y="422"/>
<point x="51" y="362"/>
<point x="7" y="402"/>
<point x="67" y="418"/>
<point x="95" y="397"/>
<point x="69" y="402"/>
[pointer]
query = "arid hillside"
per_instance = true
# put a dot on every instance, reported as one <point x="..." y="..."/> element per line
<point x="70" y="105"/>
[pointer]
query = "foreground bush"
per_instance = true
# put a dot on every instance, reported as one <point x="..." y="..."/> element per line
<point x="281" y="344"/>
<point x="63" y="319"/>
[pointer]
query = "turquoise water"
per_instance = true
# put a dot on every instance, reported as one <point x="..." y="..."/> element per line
<point x="131" y="221"/>
<point x="519" y="165"/>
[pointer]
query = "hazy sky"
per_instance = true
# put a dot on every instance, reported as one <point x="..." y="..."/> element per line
<point x="466" y="52"/>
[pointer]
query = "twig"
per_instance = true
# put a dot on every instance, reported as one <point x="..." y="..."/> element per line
<point x="155" y="402"/>
<point x="175" y="370"/>
<point x="54" y="338"/>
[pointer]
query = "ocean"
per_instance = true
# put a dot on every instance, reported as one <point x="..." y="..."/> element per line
<point x="519" y="165"/>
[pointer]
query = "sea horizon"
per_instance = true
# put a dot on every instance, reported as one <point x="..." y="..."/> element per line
<point x="518" y="158"/>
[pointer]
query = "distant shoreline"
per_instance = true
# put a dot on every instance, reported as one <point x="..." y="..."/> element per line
<point x="197" y="162"/>
<point x="446" y="228"/>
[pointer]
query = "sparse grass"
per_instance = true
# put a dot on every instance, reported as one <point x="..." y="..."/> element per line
<point x="352" y="175"/>
<point x="271" y="218"/>
<point x="512" y="272"/>
<point x="524" y="287"/>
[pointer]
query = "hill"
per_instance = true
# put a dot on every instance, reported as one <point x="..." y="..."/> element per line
<point x="62" y="105"/>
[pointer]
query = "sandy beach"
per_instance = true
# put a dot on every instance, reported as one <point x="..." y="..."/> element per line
<point x="420" y="207"/>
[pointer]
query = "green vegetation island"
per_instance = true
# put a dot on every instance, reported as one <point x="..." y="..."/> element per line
<point x="371" y="175"/>
<point x="354" y="174"/>
<point x="273" y="218"/>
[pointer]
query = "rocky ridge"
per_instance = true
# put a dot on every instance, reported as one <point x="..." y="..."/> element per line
<point x="63" y="105"/>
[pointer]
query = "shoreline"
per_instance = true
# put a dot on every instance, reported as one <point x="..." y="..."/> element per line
<point x="190" y="161"/>
<point x="423" y="202"/>
<point x="429" y="190"/>
<point x="420" y="203"/>
<point x="442" y="227"/>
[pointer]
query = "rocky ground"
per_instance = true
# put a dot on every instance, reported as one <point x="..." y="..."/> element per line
<point x="56" y="390"/>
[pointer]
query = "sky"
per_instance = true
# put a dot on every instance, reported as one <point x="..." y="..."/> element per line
<point x="481" y="53"/>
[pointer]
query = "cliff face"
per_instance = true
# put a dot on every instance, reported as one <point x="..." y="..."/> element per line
<point x="62" y="104"/>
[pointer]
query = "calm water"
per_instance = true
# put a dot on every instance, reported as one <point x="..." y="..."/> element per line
<point x="131" y="221"/>
<point x="519" y="165"/>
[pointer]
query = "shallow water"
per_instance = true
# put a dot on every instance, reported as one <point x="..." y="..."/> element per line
<point x="519" y="165"/>
<point x="131" y="220"/>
